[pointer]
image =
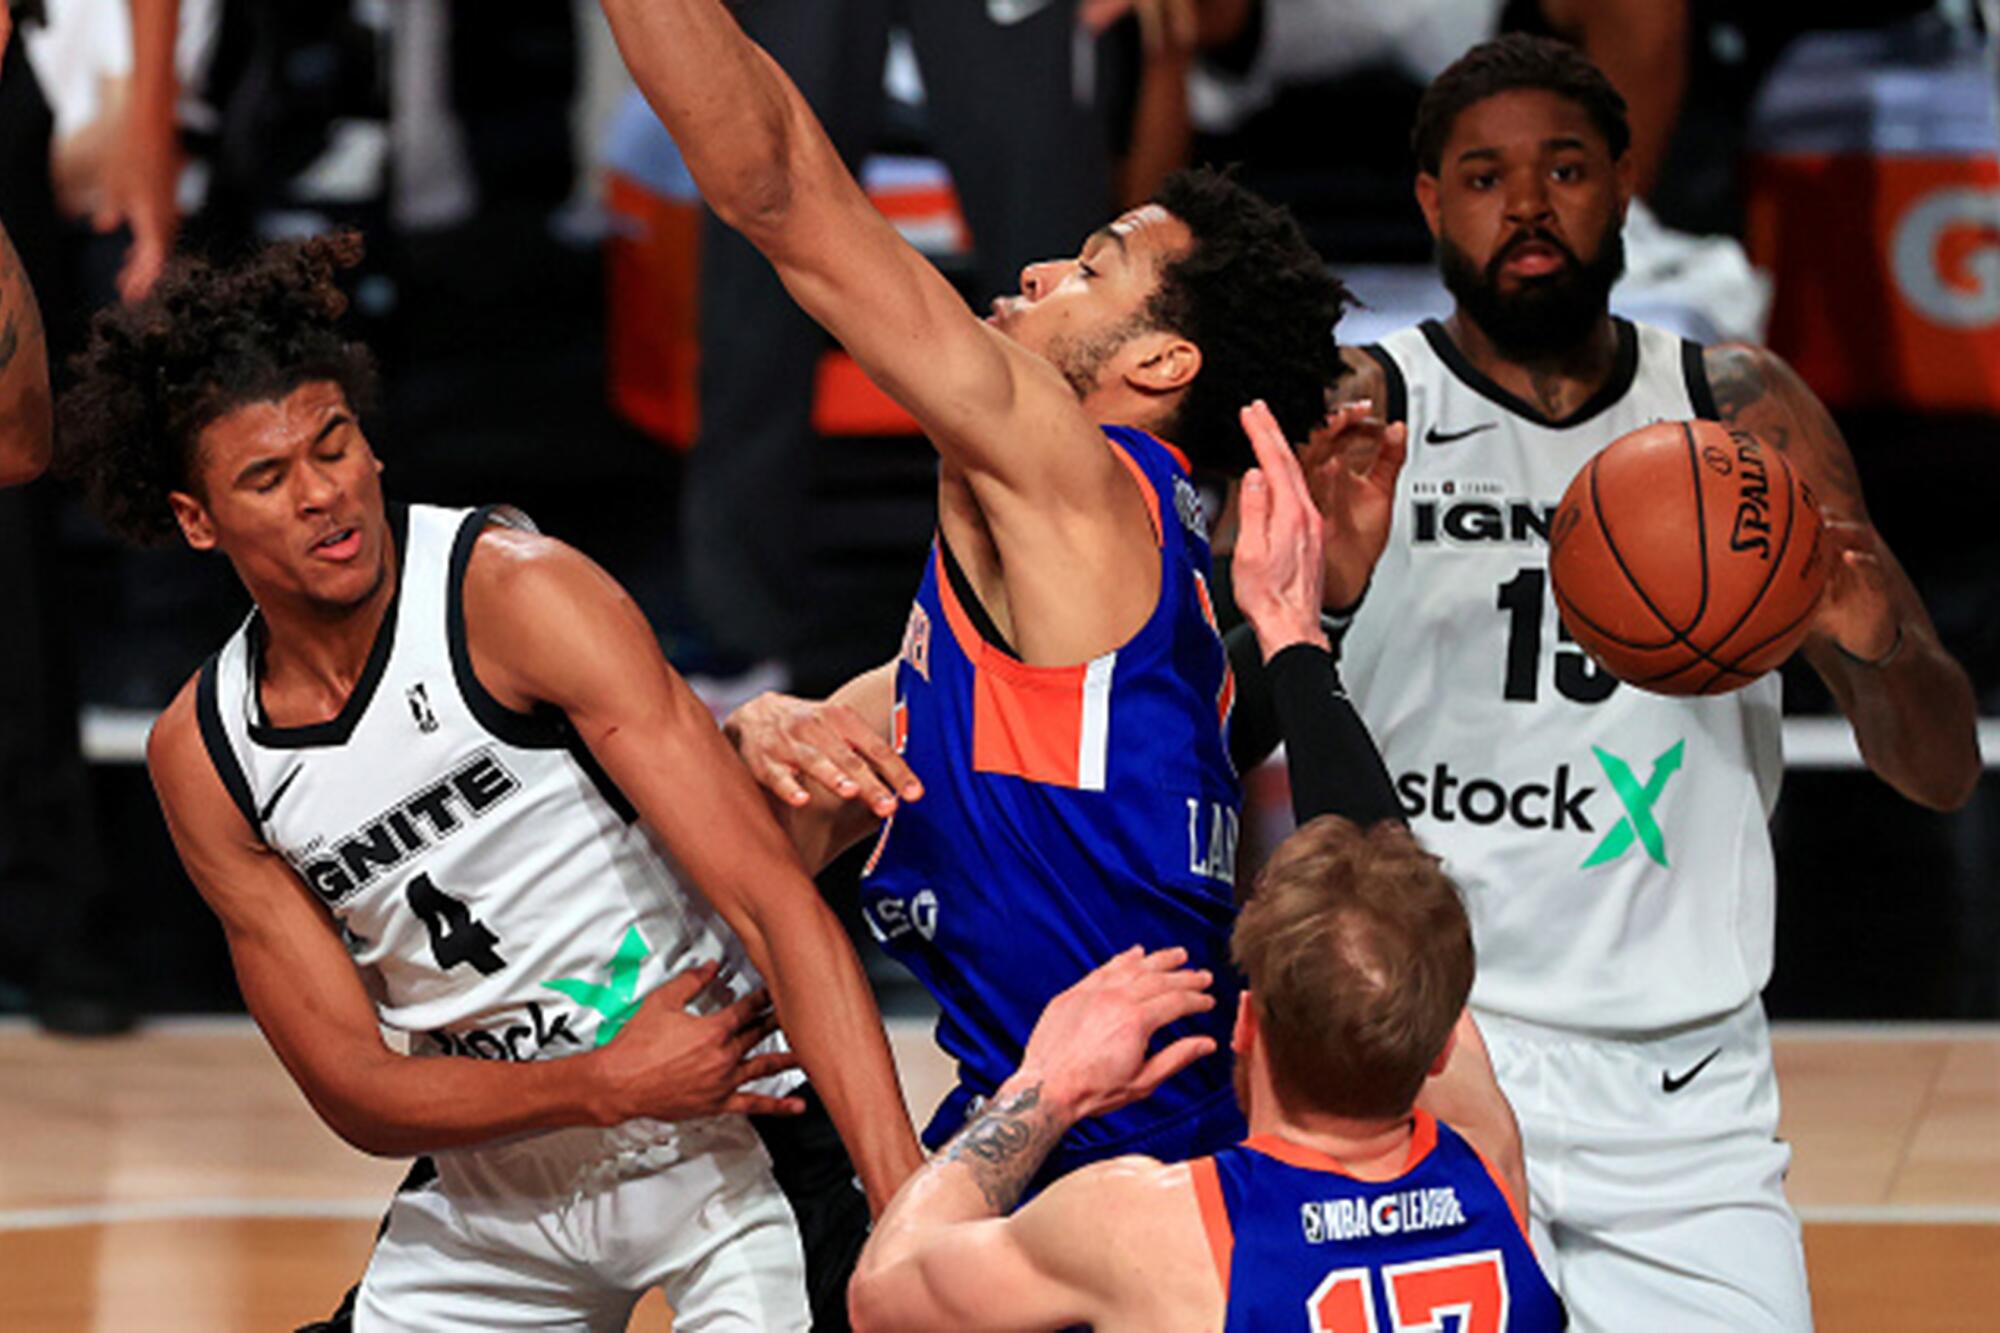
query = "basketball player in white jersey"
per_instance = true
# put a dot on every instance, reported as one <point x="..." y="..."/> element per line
<point x="1611" y="843"/>
<point x="432" y="785"/>
<point x="24" y="368"/>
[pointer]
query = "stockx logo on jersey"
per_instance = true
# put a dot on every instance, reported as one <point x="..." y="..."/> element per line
<point x="1565" y="801"/>
<point x="1638" y="798"/>
<point x="616" y="998"/>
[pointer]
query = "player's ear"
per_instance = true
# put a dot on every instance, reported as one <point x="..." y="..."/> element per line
<point x="1628" y="180"/>
<point x="1427" y="200"/>
<point x="1161" y="363"/>
<point x="196" y="526"/>
<point x="1244" y="1035"/>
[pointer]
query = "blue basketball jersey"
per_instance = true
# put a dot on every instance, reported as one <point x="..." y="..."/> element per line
<point x="1068" y="814"/>
<point x="1301" y="1245"/>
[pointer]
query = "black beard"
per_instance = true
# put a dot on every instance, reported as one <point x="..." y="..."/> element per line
<point x="1546" y="316"/>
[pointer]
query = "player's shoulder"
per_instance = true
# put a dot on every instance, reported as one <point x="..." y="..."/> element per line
<point x="1132" y="1185"/>
<point x="515" y="570"/>
<point x="176" y="732"/>
<point x="1741" y="372"/>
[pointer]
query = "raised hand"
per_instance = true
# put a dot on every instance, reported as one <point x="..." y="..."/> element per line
<point x="1088" y="1050"/>
<point x="669" y="1064"/>
<point x="1277" y="570"/>
<point x="786" y="740"/>
<point x="1351" y="466"/>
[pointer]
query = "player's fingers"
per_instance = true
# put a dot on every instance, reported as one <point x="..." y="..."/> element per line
<point x="681" y="987"/>
<point x="850" y="775"/>
<point x="748" y="1011"/>
<point x="1389" y="458"/>
<point x="1174" y="1005"/>
<point x="754" y="1103"/>
<point x="783" y="782"/>
<point x="763" y="1066"/>
<point x="882" y="757"/>
<point x="1266" y="440"/>
<point x="1166" y="960"/>
<point x="745" y="1033"/>
<point x="1253" y="505"/>
<point x="1169" y="1061"/>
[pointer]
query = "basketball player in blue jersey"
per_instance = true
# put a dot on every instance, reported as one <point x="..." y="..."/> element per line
<point x="1348" y="1207"/>
<point x="432" y="785"/>
<point x="24" y="371"/>
<point x="1611" y="843"/>
<point x="1063" y="695"/>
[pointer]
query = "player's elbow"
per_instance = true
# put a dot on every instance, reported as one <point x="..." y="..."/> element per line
<point x="872" y="1303"/>
<point x="758" y="202"/>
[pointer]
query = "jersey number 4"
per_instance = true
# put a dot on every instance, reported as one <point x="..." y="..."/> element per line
<point x="457" y="936"/>
<point x="1578" y="679"/>
<point x="1470" y="1288"/>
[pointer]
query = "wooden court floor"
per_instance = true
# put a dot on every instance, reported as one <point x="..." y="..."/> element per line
<point x="176" y="1181"/>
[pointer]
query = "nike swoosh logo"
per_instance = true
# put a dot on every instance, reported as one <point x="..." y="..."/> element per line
<point x="264" y="815"/>
<point x="1436" y="436"/>
<point x="1668" y="1083"/>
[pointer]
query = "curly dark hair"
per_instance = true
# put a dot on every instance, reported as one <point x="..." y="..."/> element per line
<point x="1518" y="60"/>
<point x="206" y="341"/>
<point x="1262" y="306"/>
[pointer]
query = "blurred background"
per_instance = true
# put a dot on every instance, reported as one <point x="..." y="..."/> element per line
<point x="561" y="327"/>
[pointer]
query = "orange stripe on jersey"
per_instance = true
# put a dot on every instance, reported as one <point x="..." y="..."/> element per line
<point x="1214" y="1217"/>
<point x="1423" y="1138"/>
<point x="1145" y="488"/>
<point x="1044" y="724"/>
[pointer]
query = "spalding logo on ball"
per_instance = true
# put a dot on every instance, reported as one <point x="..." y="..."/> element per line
<point x="1686" y="557"/>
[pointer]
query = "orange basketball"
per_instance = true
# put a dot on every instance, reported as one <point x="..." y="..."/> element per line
<point x="1686" y="557"/>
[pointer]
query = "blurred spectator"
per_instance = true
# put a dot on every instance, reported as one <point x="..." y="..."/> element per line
<point x="52" y="872"/>
<point x="1009" y="105"/>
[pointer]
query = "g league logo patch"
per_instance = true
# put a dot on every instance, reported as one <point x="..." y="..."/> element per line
<point x="420" y="708"/>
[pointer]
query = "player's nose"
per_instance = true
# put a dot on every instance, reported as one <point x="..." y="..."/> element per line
<point x="1039" y="277"/>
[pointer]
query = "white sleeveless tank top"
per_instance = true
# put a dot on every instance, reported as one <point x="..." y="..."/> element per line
<point x="491" y="883"/>
<point x="1612" y="844"/>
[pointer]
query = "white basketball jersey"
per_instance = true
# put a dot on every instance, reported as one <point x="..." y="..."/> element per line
<point x="1612" y="844"/>
<point x="497" y="890"/>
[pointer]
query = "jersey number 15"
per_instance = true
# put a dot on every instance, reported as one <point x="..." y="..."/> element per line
<point x="1578" y="679"/>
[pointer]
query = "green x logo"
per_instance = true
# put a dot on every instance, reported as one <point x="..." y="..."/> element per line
<point x="1638" y="801"/>
<point x="615" y="1002"/>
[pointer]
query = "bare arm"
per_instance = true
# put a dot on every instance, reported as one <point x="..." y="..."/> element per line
<point x="24" y="374"/>
<point x="767" y="168"/>
<point x="548" y="626"/>
<point x="1467" y="1096"/>
<point x="147" y="161"/>
<point x="306" y="995"/>
<point x="1873" y="642"/>
<point x="945" y="1255"/>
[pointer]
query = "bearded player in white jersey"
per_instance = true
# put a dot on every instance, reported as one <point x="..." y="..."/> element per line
<point x="1612" y="844"/>
<point x="431" y="785"/>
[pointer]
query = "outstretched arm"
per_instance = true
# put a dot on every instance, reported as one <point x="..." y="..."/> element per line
<point x="1872" y="641"/>
<point x="24" y="374"/>
<point x="767" y="168"/>
<point x="304" y="992"/>
<point x="547" y="626"/>
<point x="945" y="1255"/>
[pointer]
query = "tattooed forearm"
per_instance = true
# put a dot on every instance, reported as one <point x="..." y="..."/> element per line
<point x="1005" y="1145"/>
